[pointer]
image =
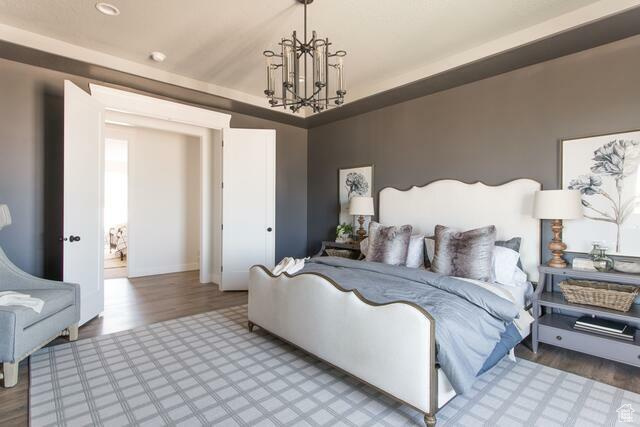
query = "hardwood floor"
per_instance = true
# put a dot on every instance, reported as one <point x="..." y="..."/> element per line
<point x="129" y="303"/>
<point x="616" y="374"/>
<point x="115" y="273"/>
<point x="135" y="302"/>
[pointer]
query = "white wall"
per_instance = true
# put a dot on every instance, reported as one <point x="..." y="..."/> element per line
<point x="115" y="181"/>
<point x="164" y="202"/>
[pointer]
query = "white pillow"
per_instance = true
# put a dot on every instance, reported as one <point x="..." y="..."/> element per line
<point x="505" y="264"/>
<point x="415" y="255"/>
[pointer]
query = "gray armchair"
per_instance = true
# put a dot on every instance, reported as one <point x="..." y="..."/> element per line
<point x="22" y="330"/>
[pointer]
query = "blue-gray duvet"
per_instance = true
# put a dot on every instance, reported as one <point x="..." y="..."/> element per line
<point x="470" y="321"/>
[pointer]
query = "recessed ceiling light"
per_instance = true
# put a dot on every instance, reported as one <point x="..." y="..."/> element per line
<point x="157" y="56"/>
<point x="107" y="9"/>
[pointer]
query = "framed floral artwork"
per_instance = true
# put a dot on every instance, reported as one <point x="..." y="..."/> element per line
<point x="605" y="170"/>
<point x="356" y="181"/>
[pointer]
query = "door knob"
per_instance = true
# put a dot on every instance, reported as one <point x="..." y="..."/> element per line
<point x="269" y="229"/>
<point x="73" y="238"/>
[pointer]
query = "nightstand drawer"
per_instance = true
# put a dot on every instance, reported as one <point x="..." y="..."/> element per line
<point x="558" y="330"/>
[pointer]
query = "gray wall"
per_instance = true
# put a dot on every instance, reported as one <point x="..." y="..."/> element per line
<point x="31" y="155"/>
<point x="493" y="130"/>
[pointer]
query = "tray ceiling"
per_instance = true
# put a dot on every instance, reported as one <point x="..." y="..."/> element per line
<point x="216" y="45"/>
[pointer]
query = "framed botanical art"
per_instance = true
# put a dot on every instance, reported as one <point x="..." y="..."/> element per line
<point x="605" y="170"/>
<point x="356" y="181"/>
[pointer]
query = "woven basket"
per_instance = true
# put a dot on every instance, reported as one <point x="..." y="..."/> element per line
<point x="342" y="253"/>
<point x="601" y="294"/>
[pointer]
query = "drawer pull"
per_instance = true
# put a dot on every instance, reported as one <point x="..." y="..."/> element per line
<point x="559" y="338"/>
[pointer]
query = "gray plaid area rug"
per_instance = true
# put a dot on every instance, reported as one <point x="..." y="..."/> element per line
<point x="209" y="369"/>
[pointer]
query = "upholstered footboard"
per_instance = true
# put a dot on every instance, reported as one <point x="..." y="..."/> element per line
<point x="391" y="346"/>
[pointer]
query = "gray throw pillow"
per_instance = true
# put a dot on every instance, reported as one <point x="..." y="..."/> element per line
<point x="467" y="254"/>
<point x="388" y="245"/>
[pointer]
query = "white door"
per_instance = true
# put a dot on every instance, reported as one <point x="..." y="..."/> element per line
<point x="248" y="204"/>
<point x="83" y="187"/>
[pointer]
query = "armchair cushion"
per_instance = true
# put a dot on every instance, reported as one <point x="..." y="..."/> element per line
<point x="55" y="300"/>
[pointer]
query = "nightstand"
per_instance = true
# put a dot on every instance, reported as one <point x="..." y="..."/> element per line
<point x="554" y="317"/>
<point x="351" y="250"/>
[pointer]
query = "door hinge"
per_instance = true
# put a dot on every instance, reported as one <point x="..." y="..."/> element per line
<point x="222" y="184"/>
<point x="222" y="226"/>
<point x="221" y="269"/>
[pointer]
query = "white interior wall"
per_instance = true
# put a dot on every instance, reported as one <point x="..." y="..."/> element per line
<point x="164" y="201"/>
<point x="115" y="182"/>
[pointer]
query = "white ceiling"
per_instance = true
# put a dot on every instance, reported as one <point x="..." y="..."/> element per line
<point x="216" y="45"/>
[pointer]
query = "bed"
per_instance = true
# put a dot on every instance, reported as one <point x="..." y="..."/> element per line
<point x="391" y="346"/>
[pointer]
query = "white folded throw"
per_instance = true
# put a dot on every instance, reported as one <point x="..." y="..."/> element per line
<point x="289" y="265"/>
<point x="16" y="298"/>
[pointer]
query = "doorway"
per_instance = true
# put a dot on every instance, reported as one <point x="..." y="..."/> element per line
<point x="84" y="126"/>
<point x="116" y="183"/>
<point x="152" y="201"/>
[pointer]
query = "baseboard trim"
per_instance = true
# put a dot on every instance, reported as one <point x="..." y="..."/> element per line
<point x="163" y="270"/>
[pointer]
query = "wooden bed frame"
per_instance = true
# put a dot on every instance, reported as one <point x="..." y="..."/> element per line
<point x="392" y="346"/>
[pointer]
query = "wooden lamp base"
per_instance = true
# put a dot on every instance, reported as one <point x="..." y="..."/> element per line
<point x="361" y="231"/>
<point x="557" y="246"/>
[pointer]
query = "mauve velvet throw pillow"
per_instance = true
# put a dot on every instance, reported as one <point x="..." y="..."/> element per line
<point x="467" y="254"/>
<point x="388" y="245"/>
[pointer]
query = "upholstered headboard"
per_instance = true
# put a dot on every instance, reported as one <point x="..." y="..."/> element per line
<point x="466" y="206"/>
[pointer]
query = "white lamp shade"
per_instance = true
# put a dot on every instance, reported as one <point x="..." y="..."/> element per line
<point x="558" y="204"/>
<point x="5" y="216"/>
<point x="359" y="205"/>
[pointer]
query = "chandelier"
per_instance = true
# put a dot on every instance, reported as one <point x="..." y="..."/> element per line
<point x="296" y="90"/>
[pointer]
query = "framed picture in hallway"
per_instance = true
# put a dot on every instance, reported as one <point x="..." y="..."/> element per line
<point x="605" y="170"/>
<point x="355" y="181"/>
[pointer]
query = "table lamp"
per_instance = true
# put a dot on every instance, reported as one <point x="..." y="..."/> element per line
<point x="557" y="205"/>
<point x="361" y="206"/>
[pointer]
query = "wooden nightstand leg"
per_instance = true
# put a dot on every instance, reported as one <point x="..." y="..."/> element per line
<point x="250" y="325"/>
<point x="536" y="312"/>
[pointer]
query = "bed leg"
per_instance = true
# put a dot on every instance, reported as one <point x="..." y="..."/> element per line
<point x="430" y="420"/>
<point x="250" y="324"/>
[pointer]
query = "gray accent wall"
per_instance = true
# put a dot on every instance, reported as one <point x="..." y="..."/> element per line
<point x="31" y="168"/>
<point x="494" y="130"/>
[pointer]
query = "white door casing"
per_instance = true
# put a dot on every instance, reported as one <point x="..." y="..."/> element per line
<point x="248" y="204"/>
<point x="83" y="198"/>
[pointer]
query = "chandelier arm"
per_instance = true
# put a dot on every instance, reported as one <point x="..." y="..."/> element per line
<point x="287" y="89"/>
<point x="315" y="92"/>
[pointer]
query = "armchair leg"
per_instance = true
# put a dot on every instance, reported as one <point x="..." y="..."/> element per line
<point x="10" y="373"/>
<point x="73" y="332"/>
